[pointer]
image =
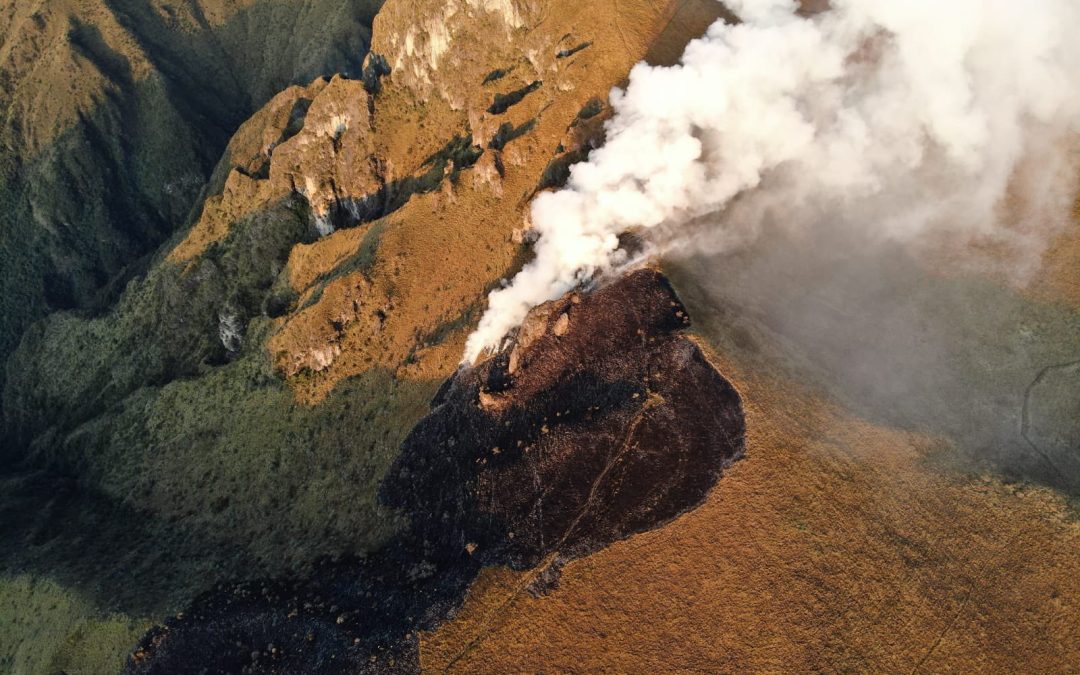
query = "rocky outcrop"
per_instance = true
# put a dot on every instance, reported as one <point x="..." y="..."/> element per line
<point x="114" y="115"/>
<point x="611" y="425"/>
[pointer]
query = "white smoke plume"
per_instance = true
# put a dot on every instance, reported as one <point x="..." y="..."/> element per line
<point x="915" y="119"/>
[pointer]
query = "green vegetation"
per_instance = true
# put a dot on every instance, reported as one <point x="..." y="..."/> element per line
<point x="45" y="628"/>
<point x="156" y="416"/>
<point x="161" y="463"/>
<point x="119" y="121"/>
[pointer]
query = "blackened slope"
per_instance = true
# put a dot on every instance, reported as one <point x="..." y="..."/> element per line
<point x="355" y="616"/>
<point x="602" y="420"/>
<point x="592" y="428"/>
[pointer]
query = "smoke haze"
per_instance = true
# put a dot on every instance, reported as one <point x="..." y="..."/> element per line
<point x="925" y="124"/>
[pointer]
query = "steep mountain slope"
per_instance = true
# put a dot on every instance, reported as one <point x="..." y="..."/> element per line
<point x="215" y="462"/>
<point x="113" y="114"/>
<point x="248" y="444"/>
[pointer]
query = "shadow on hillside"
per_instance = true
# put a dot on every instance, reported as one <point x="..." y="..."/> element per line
<point x="81" y="216"/>
<point x="229" y="478"/>
<point x="123" y="559"/>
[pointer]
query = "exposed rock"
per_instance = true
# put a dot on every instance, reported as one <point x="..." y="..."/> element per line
<point x="533" y="327"/>
<point x="512" y="365"/>
<point x="332" y="159"/>
<point x="562" y="324"/>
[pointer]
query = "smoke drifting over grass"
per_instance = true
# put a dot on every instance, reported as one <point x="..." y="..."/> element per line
<point x="918" y="122"/>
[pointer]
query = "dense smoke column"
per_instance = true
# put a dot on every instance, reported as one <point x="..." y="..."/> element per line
<point x="914" y="120"/>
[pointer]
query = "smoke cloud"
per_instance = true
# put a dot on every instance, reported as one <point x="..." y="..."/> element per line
<point x="920" y="122"/>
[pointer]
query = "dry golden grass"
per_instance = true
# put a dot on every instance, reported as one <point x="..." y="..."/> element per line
<point x="1060" y="279"/>
<point x="427" y="266"/>
<point x="437" y="256"/>
<point x="831" y="547"/>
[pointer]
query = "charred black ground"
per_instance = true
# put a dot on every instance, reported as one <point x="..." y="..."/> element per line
<point x="600" y="421"/>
